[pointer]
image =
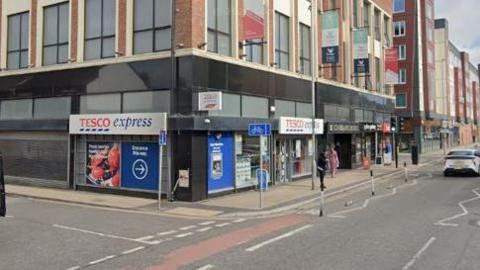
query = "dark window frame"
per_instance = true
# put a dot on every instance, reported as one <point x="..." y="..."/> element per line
<point x="102" y="37"/>
<point x="19" y="50"/>
<point x="278" y="39"/>
<point x="57" y="44"/>
<point x="153" y="29"/>
<point x="216" y="32"/>
<point x="304" y="61"/>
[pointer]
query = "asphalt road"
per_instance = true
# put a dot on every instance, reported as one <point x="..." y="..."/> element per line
<point x="430" y="223"/>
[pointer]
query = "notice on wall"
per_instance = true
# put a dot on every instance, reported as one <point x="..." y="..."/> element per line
<point x="140" y="165"/>
<point x="184" y="178"/>
<point x="103" y="164"/>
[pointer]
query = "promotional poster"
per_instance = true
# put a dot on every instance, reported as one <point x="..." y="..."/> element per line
<point x="360" y="51"/>
<point x="330" y="37"/>
<point x="103" y="164"/>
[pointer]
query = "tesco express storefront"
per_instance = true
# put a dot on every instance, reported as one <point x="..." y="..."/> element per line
<point x="117" y="151"/>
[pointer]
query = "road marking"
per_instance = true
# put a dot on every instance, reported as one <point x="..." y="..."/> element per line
<point x="183" y="235"/>
<point x="133" y="250"/>
<point x="206" y="223"/>
<point x="206" y="267"/>
<point x="186" y="228"/>
<point x="222" y="224"/>
<point x="102" y="259"/>
<point x="166" y="233"/>
<point x="7" y="216"/>
<point x="444" y="222"/>
<point x="103" y="234"/>
<point x="253" y="248"/>
<point x="419" y="253"/>
<point x="145" y="238"/>
<point x="239" y="220"/>
<point x="204" y="229"/>
<point x="74" y="268"/>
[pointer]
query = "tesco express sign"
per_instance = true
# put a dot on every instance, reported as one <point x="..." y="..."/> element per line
<point x="118" y="124"/>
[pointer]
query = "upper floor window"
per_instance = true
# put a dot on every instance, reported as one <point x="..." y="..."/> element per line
<point x="402" y="52"/>
<point x="402" y="76"/>
<point x="219" y="27"/>
<point x="398" y="6"/>
<point x="151" y="30"/>
<point x="355" y="13"/>
<point x="400" y="100"/>
<point x="399" y="28"/>
<point x="282" y="39"/>
<point x="17" y="52"/>
<point x="366" y="15"/>
<point x="304" y="49"/>
<point x="99" y="29"/>
<point x="378" y="30"/>
<point x="55" y="34"/>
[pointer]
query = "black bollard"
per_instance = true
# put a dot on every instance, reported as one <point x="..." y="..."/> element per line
<point x="3" y="206"/>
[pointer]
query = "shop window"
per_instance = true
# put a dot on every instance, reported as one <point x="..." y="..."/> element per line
<point x="254" y="107"/>
<point x="151" y="101"/>
<point x="368" y="116"/>
<point x="359" y="115"/>
<point x="109" y="103"/>
<point x="16" y="109"/>
<point x="304" y="109"/>
<point x="99" y="29"/>
<point x="302" y="153"/>
<point x="284" y="108"/>
<point x="247" y="151"/>
<point x="151" y="29"/>
<point x="55" y="34"/>
<point x="230" y="106"/>
<point x="282" y="41"/>
<point x="219" y="27"/>
<point x="52" y="108"/>
<point x="18" y="30"/>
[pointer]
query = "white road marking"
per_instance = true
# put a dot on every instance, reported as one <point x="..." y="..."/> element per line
<point x="102" y="259"/>
<point x="133" y="250"/>
<point x="102" y="234"/>
<point x="253" y="248"/>
<point x="145" y="238"/>
<point x="74" y="268"/>
<point x="7" y="216"/>
<point x="419" y="253"/>
<point x="186" y="228"/>
<point x="239" y="220"/>
<point x="222" y="224"/>
<point x="444" y="222"/>
<point x="206" y="267"/>
<point x="183" y="235"/>
<point x="206" y="223"/>
<point x="166" y="233"/>
<point x="204" y="229"/>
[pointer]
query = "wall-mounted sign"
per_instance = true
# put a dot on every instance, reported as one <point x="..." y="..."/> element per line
<point x="391" y="66"/>
<point x="368" y="127"/>
<point x="209" y="101"/>
<point x="330" y="37"/>
<point x="118" y="124"/>
<point x="343" y="128"/>
<point x="184" y="178"/>
<point x="140" y="165"/>
<point x="360" y="51"/>
<point x="291" y="125"/>
<point x="220" y="162"/>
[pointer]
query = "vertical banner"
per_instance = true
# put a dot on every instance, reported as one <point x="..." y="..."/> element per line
<point x="391" y="66"/>
<point x="360" y="51"/>
<point x="253" y="19"/>
<point x="330" y="37"/>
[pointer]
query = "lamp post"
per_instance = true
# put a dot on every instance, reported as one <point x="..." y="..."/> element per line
<point x="313" y="69"/>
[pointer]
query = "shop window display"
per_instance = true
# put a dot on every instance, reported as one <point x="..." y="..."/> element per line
<point x="247" y="151"/>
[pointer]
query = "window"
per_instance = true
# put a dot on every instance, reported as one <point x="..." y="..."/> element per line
<point x="99" y="29"/>
<point x="386" y="30"/>
<point x="151" y="30"/>
<point x="398" y="6"/>
<point x="366" y="15"/>
<point x="52" y="108"/>
<point x="304" y="49"/>
<point x="378" y="30"/>
<point x="303" y="109"/>
<point x="355" y="14"/>
<point x="402" y="52"/>
<point x="150" y="101"/>
<point x="377" y="74"/>
<point x="55" y="34"/>
<point x="402" y="76"/>
<point x="230" y="106"/>
<point x="219" y="27"/>
<point x="399" y="28"/>
<point x="284" y="108"/>
<point x="254" y="50"/>
<point x="333" y="4"/>
<point x="254" y="107"/>
<point x="282" y="38"/>
<point x="109" y="103"/>
<point x="18" y="33"/>
<point x="400" y="100"/>
<point x="16" y="109"/>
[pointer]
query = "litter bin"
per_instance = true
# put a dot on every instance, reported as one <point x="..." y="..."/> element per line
<point x="414" y="154"/>
<point x="3" y="206"/>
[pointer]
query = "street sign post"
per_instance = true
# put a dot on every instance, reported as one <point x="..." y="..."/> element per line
<point x="262" y="130"/>
<point x="162" y="141"/>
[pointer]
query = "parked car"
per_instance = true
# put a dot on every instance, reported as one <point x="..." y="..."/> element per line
<point x="462" y="161"/>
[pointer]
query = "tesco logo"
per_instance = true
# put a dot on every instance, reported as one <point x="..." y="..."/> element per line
<point x="105" y="124"/>
<point x="95" y="122"/>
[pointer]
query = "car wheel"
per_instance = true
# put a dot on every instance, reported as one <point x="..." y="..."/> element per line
<point x="445" y="174"/>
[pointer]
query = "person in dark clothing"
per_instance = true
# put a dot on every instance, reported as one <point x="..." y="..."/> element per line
<point x="322" y="168"/>
<point x="3" y="207"/>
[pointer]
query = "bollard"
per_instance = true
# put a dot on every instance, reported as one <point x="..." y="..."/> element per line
<point x="3" y="206"/>
<point x="406" y="172"/>
<point x="321" y="203"/>
<point x="373" y="185"/>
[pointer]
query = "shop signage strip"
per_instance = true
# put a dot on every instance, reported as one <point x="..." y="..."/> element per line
<point x="118" y="124"/>
<point x="291" y="125"/>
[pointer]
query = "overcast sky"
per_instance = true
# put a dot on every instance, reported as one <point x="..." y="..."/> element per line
<point x="464" y="22"/>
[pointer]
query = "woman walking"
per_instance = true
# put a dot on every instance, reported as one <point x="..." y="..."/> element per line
<point x="322" y="168"/>
<point x="333" y="161"/>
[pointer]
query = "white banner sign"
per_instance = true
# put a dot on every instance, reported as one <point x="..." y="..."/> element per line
<point x="291" y="125"/>
<point x="209" y="101"/>
<point x="118" y="124"/>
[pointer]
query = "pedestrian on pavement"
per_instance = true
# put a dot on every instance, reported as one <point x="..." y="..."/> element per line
<point x="338" y="148"/>
<point x="322" y="168"/>
<point x="333" y="161"/>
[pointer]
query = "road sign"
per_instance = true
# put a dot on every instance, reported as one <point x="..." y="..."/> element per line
<point x="162" y="139"/>
<point x="262" y="129"/>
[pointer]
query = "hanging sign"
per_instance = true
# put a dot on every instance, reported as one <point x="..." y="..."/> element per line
<point x="360" y="51"/>
<point x="330" y="37"/>
<point x="391" y="66"/>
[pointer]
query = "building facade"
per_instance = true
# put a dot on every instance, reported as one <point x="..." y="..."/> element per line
<point x="84" y="85"/>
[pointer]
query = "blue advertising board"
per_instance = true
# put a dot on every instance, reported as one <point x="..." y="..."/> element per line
<point x="264" y="129"/>
<point x="140" y="166"/>
<point x="220" y="162"/>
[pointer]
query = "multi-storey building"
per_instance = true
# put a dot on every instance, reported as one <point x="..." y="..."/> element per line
<point x="83" y="81"/>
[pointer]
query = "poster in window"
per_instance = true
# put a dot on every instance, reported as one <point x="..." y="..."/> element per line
<point x="103" y="164"/>
<point x="217" y="165"/>
<point x="298" y="148"/>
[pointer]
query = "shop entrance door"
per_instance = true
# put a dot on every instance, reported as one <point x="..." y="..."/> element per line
<point x="283" y="151"/>
<point x="343" y="142"/>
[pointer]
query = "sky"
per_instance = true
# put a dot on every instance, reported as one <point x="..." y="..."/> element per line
<point x="464" y="24"/>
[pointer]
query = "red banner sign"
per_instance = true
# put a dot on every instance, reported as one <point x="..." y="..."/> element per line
<point x="391" y="66"/>
<point x="253" y="26"/>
